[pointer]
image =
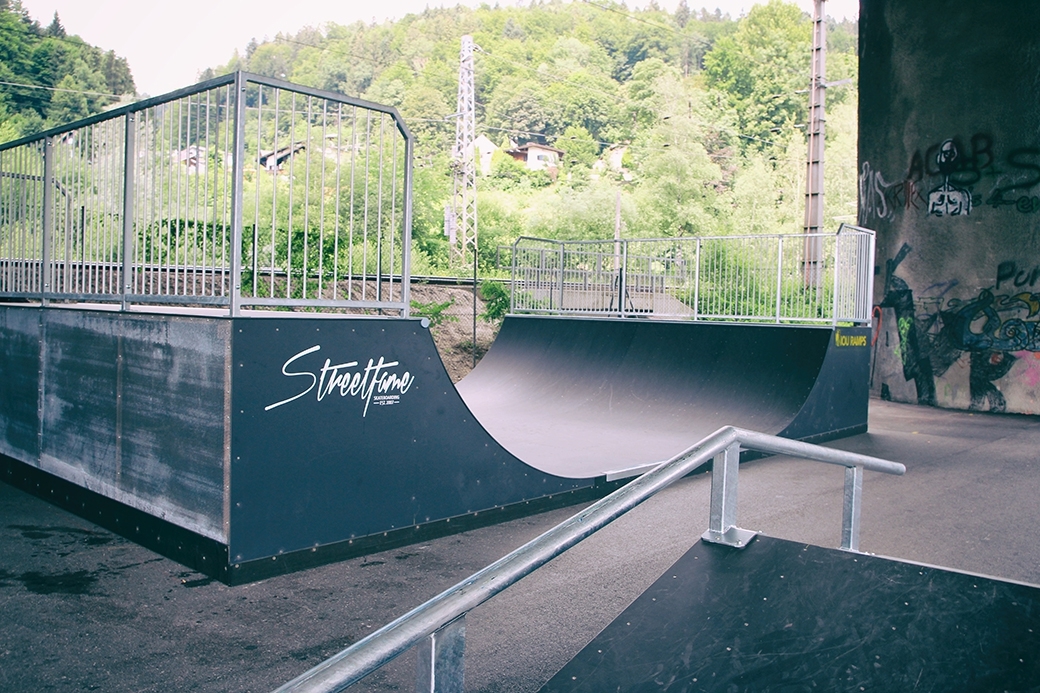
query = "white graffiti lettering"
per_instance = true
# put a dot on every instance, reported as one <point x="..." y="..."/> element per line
<point x="872" y="187"/>
<point x="375" y="381"/>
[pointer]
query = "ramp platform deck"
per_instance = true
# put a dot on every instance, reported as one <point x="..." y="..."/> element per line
<point x="781" y="615"/>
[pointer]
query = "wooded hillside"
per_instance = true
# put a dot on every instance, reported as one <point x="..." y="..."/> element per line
<point x="698" y="120"/>
<point x="50" y="77"/>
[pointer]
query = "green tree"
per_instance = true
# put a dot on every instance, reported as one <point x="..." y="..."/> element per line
<point x="761" y="69"/>
<point x="579" y="148"/>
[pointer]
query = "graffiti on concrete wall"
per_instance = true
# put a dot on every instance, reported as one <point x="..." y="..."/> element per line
<point x="995" y="328"/>
<point x="948" y="199"/>
<point x="953" y="177"/>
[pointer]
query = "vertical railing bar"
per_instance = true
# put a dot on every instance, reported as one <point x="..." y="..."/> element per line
<point x="364" y="228"/>
<point x="180" y="224"/>
<point x="697" y="281"/>
<point x="837" y="284"/>
<point x="225" y="195"/>
<point x="274" y="189"/>
<point x="159" y="205"/>
<point x="379" y="211"/>
<point x="392" y="227"/>
<point x="207" y="252"/>
<point x="67" y="177"/>
<point x="129" y="142"/>
<point x="291" y="180"/>
<point x="339" y="173"/>
<point x="255" y="255"/>
<point x="102" y="282"/>
<point x="6" y="187"/>
<point x="406" y="232"/>
<point x="193" y="136"/>
<point x="353" y="192"/>
<point x="48" y="216"/>
<point x="559" y="274"/>
<point x="779" y="274"/>
<point x="306" y="200"/>
<point x="321" y="200"/>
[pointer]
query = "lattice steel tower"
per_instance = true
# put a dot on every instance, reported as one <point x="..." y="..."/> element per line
<point x="461" y="220"/>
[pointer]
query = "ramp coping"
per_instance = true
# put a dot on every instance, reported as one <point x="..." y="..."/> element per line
<point x="442" y="618"/>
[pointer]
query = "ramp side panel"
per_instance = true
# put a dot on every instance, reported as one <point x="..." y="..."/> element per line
<point x="800" y="617"/>
<point x="583" y="396"/>
<point x="20" y="383"/>
<point x="837" y="405"/>
<point x="320" y="456"/>
<point x="133" y="409"/>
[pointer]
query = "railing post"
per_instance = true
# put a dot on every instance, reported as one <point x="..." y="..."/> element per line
<point x="441" y="667"/>
<point x="697" y="283"/>
<point x="867" y="278"/>
<point x="236" y="194"/>
<point x="722" y="524"/>
<point x="623" y="283"/>
<point x="838" y="284"/>
<point x="48" y="217"/>
<point x="779" y="274"/>
<point x="851" y="508"/>
<point x="562" y="278"/>
<point x="129" y="158"/>
<point x="406" y="232"/>
<point x="512" y="278"/>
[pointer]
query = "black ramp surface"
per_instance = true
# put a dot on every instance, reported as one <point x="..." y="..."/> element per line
<point x="784" y="616"/>
<point x="317" y="461"/>
<point x="581" y="397"/>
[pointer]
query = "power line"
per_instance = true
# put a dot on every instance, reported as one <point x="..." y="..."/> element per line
<point x="633" y="17"/>
<point x="71" y="91"/>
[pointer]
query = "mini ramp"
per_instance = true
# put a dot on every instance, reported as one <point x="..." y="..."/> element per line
<point x="256" y="445"/>
<point x="585" y="397"/>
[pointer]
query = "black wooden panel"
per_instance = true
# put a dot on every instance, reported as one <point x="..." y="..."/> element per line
<point x="172" y="424"/>
<point x="837" y="405"/>
<point x="134" y="408"/>
<point x="19" y="383"/>
<point x="783" y="616"/>
<point x="80" y="352"/>
<point x="314" y="465"/>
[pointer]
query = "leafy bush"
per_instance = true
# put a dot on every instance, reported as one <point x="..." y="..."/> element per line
<point x="496" y="301"/>
<point x="434" y="311"/>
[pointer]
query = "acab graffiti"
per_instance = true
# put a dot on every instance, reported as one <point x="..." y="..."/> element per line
<point x="958" y="176"/>
<point x="995" y="330"/>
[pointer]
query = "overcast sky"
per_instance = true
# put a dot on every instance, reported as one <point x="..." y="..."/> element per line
<point x="169" y="43"/>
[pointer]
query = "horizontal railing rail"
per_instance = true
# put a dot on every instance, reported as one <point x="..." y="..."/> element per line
<point x="794" y="278"/>
<point x="440" y="623"/>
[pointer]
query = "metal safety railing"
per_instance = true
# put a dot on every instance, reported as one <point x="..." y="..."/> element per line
<point x="438" y="626"/>
<point x="239" y="191"/>
<point x="798" y="278"/>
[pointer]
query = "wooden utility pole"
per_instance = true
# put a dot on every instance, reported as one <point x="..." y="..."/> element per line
<point x="814" y="164"/>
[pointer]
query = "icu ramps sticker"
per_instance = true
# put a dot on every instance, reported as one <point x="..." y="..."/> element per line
<point x="844" y="340"/>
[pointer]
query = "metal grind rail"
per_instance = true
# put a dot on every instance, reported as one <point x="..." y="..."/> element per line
<point x="438" y="626"/>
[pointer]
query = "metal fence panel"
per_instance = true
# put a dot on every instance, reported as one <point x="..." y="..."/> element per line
<point x="802" y="278"/>
<point x="241" y="191"/>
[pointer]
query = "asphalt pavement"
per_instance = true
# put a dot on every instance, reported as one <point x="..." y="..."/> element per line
<point x="84" y="609"/>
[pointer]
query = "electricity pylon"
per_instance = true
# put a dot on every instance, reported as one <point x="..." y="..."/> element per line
<point x="461" y="221"/>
